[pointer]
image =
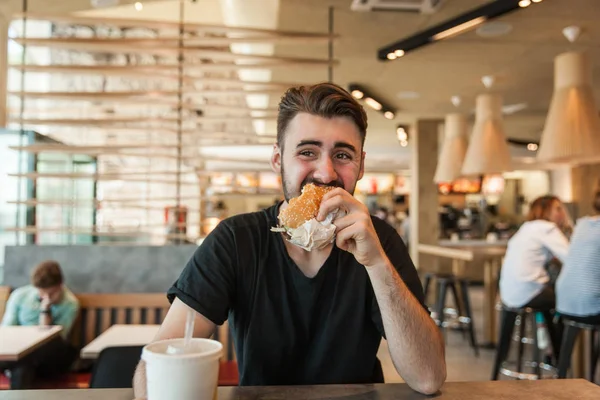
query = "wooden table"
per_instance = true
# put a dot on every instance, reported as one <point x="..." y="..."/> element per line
<point x="18" y="341"/>
<point x="498" y="390"/>
<point x="120" y="335"/>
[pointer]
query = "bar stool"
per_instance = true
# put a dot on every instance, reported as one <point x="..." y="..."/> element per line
<point x="450" y="281"/>
<point x="572" y="330"/>
<point x="519" y="317"/>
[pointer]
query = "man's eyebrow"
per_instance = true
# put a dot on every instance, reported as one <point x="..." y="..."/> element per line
<point x="345" y="145"/>
<point x="318" y="143"/>
<point x="310" y="142"/>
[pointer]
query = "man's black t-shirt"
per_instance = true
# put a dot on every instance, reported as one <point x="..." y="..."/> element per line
<point x="289" y="329"/>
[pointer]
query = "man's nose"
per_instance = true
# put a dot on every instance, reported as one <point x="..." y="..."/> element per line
<point x="325" y="171"/>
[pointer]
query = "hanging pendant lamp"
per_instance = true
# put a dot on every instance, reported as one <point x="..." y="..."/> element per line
<point x="572" y="130"/>
<point x="488" y="151"/>
<point x="454" y="149"/>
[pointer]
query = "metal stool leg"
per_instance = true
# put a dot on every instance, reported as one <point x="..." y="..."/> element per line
<point x="537" y="354"/>
<point x="506" y="329"/>
<point x="459" y="305"/>
<point x="441" y="301"/>
<point x="426" y="285"/>
<point x="593" y="358"/>
<point x="464" y="286"/>
<point x="521" y="346"/>
<point x="457" y="298"/>
<point x="566" y="350"/>
<point x="596" y="355"/>
<point x="555" y="332"/>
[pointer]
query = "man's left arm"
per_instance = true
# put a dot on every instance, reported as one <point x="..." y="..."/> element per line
<point x="414" y="341"/>
<point x="416" y="344"/>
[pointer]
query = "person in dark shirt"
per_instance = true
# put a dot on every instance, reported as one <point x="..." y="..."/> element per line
<point x="311" y="317"/>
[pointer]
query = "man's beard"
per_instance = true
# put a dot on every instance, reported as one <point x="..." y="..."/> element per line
<point x="288" y="194"/>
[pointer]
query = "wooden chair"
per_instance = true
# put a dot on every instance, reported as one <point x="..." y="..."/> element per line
<point x="4" y="294"/>
<point x="99" y="311"/>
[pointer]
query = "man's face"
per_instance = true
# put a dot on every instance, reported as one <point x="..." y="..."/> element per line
<point x="53" y="293"/>
<point x="321" y="151"/>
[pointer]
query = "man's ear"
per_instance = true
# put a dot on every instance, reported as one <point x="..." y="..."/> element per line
<point x="362" y="166"/>
<point x="276" y="159"/>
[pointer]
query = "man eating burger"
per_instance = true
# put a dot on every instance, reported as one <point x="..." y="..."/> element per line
<point x="311" y="285"/>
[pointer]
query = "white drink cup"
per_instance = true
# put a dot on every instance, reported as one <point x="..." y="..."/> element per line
<point x="189" y="375"/>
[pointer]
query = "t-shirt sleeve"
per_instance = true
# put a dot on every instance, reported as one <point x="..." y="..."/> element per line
<point x="397" y="253"/>
<point x="207" y="283"/>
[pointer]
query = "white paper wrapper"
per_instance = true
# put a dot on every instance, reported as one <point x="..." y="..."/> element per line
<point x="312" y="234"/>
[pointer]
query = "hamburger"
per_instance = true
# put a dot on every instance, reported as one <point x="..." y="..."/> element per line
<point x="298" y="221"/>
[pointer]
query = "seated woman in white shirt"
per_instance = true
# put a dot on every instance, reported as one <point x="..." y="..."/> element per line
<point x="524" y="281"/>
<point x="578" y="285"/>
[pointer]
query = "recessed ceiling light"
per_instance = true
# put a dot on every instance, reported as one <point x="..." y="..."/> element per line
<point x="357" y="94"/>
<point x="408" y="95"/>
<point x="456" y="100"/>
<point x="138" y="6"/>
<point x="401" y="134"/>
<point x="374" y="104"/>
<point x="488" y="81"/>
<point x="494" y="29"/>
<point x="532" y="146"/>
<point x="537" y="1"/>
<point x="524" y="3"/>
<point x="371" y="100"/>
<point x="572" y="33"/>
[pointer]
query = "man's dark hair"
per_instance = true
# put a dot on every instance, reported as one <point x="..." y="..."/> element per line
<point x="324" y="100"/>
<point x="46" y="275"/>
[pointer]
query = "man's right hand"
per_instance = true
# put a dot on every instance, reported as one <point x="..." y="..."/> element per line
<point x="45" y="303"/>
<point x="45" y="317"/>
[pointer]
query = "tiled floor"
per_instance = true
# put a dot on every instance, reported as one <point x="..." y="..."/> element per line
<point x="461" y="363"/>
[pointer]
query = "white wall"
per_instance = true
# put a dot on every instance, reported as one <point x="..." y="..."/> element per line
<point x="561" y="184"/>
<point x="533" y="184"/>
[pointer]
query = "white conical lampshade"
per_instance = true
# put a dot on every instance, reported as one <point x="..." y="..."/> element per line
<point x="454" y="149"/>
<point x="488" y="151"/>
<point x="572" y="130"/>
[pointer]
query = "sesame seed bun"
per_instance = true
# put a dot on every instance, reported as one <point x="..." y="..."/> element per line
<point x="304" y="207"/>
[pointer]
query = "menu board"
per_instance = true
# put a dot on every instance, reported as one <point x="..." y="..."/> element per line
<point x="246" y="180"/>
<point x="401" y="185"/>
<point x="221" y="179"/>
<point x="269" y="180"/>
<point x="461" y="186"/>
<point x="375" y="184"/>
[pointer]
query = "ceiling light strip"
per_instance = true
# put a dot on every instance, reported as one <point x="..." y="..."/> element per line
<point x="447" y="29"/>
